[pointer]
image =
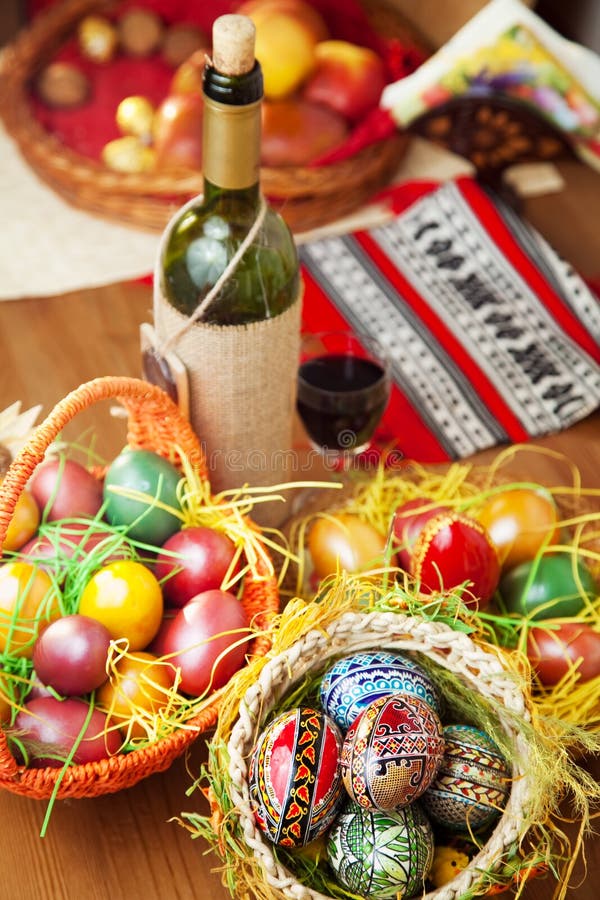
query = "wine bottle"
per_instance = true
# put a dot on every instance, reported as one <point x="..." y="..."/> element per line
<point x="227" y="284"/>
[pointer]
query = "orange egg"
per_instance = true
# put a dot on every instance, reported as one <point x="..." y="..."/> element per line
<point x="344" y="541"/>
<point x="520" y="521"/>
<point x="138" y="688"/>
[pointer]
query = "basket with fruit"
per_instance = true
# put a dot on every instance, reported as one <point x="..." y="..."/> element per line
<point x="383" y="750"/>
<point x="128" y="597"/>
<point x="114" y="123"/>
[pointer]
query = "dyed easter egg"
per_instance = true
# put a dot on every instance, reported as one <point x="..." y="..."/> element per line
<point x="391" y="752"/>
<point x="472" y="785"/>
<point x="356" y="680"/>
<point x="295" y="785"/>
<point x="381" y="855"/>
<point x="453" y="549"/>
<point x="554" y="586"/>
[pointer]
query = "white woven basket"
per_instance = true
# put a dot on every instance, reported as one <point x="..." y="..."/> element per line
<point x="480" y="669"/>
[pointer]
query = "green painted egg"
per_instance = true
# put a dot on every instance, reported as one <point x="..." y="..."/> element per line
<point x="381" y="855"/>
<point x="554" y="586"/>
<point x="136" y="483"/>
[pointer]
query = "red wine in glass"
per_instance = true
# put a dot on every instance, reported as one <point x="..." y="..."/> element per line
<point x="343" y="390"/>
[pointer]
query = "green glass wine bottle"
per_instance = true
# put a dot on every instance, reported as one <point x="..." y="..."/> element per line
<point x="227" y="285"/>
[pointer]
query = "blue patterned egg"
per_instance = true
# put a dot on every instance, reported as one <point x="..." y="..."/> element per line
<point x="472" y="785"/>
<point x="381" y="855"/>
<point x="356" y="680"/>
<point x="391" y="752"/>
<point x="295" y="785"/>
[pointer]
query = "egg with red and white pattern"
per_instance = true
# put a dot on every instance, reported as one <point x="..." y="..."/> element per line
<point x="391" y="752"/>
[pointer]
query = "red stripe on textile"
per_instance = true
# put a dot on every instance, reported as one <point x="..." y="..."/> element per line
<point x="489" y="217"/>
<point x="486" y="390"/>
<point x="401" y="424"/>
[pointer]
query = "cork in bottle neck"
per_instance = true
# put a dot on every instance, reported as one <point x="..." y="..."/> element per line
<point x="233" y="41"/>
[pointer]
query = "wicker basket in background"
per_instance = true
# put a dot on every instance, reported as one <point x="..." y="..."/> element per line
<point x="154" y="423"/>
<point x="306" y="196"/>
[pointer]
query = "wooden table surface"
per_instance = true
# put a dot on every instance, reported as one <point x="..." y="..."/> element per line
<point x="124" y="845"/>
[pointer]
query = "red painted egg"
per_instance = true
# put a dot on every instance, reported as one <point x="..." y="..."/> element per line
<point x="295" y="784"/>
<point x="408" y="522"/>
<point x="392" y="752"/>
<point x="453" y="549"/>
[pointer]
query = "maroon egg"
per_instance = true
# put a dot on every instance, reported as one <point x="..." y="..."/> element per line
<point x="209" y="639"/>
<point x="63" y="541"/>
<point x="193" y="560"/>
<point x="70" y="655"/>
<point x="554" y="650"/>
<point x="63" y="488"/>
<point x="50" y="728"/>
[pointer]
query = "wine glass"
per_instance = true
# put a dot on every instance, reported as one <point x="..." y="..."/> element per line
<point x="343" y="390"/>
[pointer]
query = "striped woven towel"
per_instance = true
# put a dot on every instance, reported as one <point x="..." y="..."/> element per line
<point x="493" y="338"/>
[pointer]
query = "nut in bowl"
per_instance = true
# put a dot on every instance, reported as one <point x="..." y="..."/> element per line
<point x="104" y="681"/>
<point x="383" y="849"/>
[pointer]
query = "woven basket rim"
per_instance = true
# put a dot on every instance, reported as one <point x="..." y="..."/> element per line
<point x="149" y="199"/>
<point x="153" y="419"/>
<point x="354" y="631"/>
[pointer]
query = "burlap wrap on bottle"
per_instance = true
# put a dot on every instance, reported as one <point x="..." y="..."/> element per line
<point x="242" y="382"/>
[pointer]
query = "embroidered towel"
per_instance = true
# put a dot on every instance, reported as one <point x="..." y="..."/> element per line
<point x="492" y="337"/>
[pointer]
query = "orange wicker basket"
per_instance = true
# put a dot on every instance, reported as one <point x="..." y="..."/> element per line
<point x="306" y="196"/>
<point x="154" y="423"/>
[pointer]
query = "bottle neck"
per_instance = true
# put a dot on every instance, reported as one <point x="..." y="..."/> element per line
<point x="232" y="132"/>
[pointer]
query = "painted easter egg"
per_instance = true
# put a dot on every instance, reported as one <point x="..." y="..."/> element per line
<point x="379" y="854"/>
<point x="391" y="752"/>
<point x="472" y="785"/>
<point x="359" y="678"/>
<point x="295" y="784"/>
<point x="453" y="549"/>
<point x="556" y="585"/>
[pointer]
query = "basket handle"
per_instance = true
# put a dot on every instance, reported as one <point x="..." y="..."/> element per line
<point x="154" y="423"/>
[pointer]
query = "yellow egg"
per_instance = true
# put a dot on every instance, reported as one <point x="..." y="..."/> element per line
<point x="135" y="116"/>
<point x="128" y="155"/>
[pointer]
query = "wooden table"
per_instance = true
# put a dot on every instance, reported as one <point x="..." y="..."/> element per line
<point x="124" y="845"/>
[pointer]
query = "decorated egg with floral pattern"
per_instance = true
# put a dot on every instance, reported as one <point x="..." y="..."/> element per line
<point x="472" y="785"/>
<point x="295" y="784"/>
<point x="381" y="855"/>
<point x="391" y="752"/>
<point x="359" y="678"/>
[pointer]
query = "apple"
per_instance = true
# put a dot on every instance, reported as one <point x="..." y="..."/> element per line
<point x="347" y="78"/>
<point x="305" y="13"/>
<point x="177" y="131"/>
<point x="295" y="132"/>
<point x="193" y="560"/>
<point x="187" y="78"/>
